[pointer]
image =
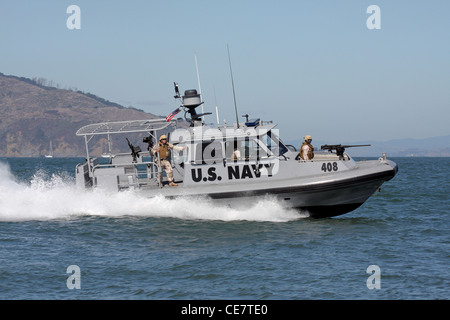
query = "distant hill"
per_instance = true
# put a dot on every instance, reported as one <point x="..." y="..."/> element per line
<point x="33" y="113"/>
<point x="429" y="147"/>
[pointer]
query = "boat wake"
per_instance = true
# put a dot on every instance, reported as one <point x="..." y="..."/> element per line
<point x="55" y="196"/>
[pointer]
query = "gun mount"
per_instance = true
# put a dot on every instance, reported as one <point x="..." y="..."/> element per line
<point x="149" y="142"/>
<point x="341" y="148"/>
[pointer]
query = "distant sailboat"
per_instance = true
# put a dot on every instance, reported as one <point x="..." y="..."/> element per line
<point x="50" y="155"/>
<point x="107" y="149"/>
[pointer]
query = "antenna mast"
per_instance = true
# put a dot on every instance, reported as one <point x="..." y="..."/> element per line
<point x="232" y="84"/>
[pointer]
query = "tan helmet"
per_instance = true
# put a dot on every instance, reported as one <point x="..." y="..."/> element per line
<point x="163" y="137"/>
<point x="308" y="137"/>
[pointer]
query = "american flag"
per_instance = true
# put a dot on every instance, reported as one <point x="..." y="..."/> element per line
<point x="173" y="114"/>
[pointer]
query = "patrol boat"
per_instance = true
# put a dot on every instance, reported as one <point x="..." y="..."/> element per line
<point x="233" y="165"/>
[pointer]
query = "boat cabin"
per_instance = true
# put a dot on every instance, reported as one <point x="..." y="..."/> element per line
<point x="213" y="154"/>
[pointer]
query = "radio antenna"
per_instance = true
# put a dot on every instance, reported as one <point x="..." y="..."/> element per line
<point x="232" y="84"/>
<point x="198" y="80"/>
<point x="217" y="108"/>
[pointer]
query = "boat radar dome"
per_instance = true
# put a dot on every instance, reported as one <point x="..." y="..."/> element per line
<point x="192" y="100"/>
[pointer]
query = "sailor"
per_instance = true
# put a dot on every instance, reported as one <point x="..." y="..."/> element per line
<point x="307" y="150"/>
<point x="236" y="154"/>
<point x="163" y="148"/>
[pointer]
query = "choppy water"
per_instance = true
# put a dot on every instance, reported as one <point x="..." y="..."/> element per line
<point x="129" y="247"/>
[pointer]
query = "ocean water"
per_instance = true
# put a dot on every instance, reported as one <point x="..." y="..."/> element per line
<point x="57" y="242"/>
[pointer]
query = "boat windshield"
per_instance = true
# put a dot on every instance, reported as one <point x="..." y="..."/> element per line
<point x="273" y="143"/>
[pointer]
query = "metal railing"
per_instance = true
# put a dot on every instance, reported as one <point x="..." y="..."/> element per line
<point x="135" y="173"/>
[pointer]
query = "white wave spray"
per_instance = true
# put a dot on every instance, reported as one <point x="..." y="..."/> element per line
<point x="48" y="197"/>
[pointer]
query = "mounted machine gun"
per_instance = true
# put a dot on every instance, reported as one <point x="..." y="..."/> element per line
<point x="341" y="148"/>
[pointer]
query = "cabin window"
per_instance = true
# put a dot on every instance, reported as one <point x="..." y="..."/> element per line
<point x="274" y="143"/>
<point x="208" y="152"/>
<point x="244" y="149"/>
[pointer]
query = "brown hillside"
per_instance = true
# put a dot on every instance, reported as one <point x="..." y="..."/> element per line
<point x="32" y="115"/>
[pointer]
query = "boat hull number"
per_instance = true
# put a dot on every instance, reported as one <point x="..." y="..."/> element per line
<point x="329" y="166"/>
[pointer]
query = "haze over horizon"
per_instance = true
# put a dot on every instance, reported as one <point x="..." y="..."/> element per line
<point x="313" y="68"/>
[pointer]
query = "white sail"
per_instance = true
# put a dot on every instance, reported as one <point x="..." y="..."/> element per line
<point x="50" y="154"/>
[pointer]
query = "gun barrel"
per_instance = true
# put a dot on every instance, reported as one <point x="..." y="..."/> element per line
<point x="356" y="145"/>
<point x="340" y="146"/>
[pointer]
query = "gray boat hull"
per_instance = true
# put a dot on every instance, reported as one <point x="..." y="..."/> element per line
<point x="320" y="198"/>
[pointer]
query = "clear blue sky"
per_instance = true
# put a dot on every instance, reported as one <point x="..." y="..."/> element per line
<point x="311" y="66"/>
